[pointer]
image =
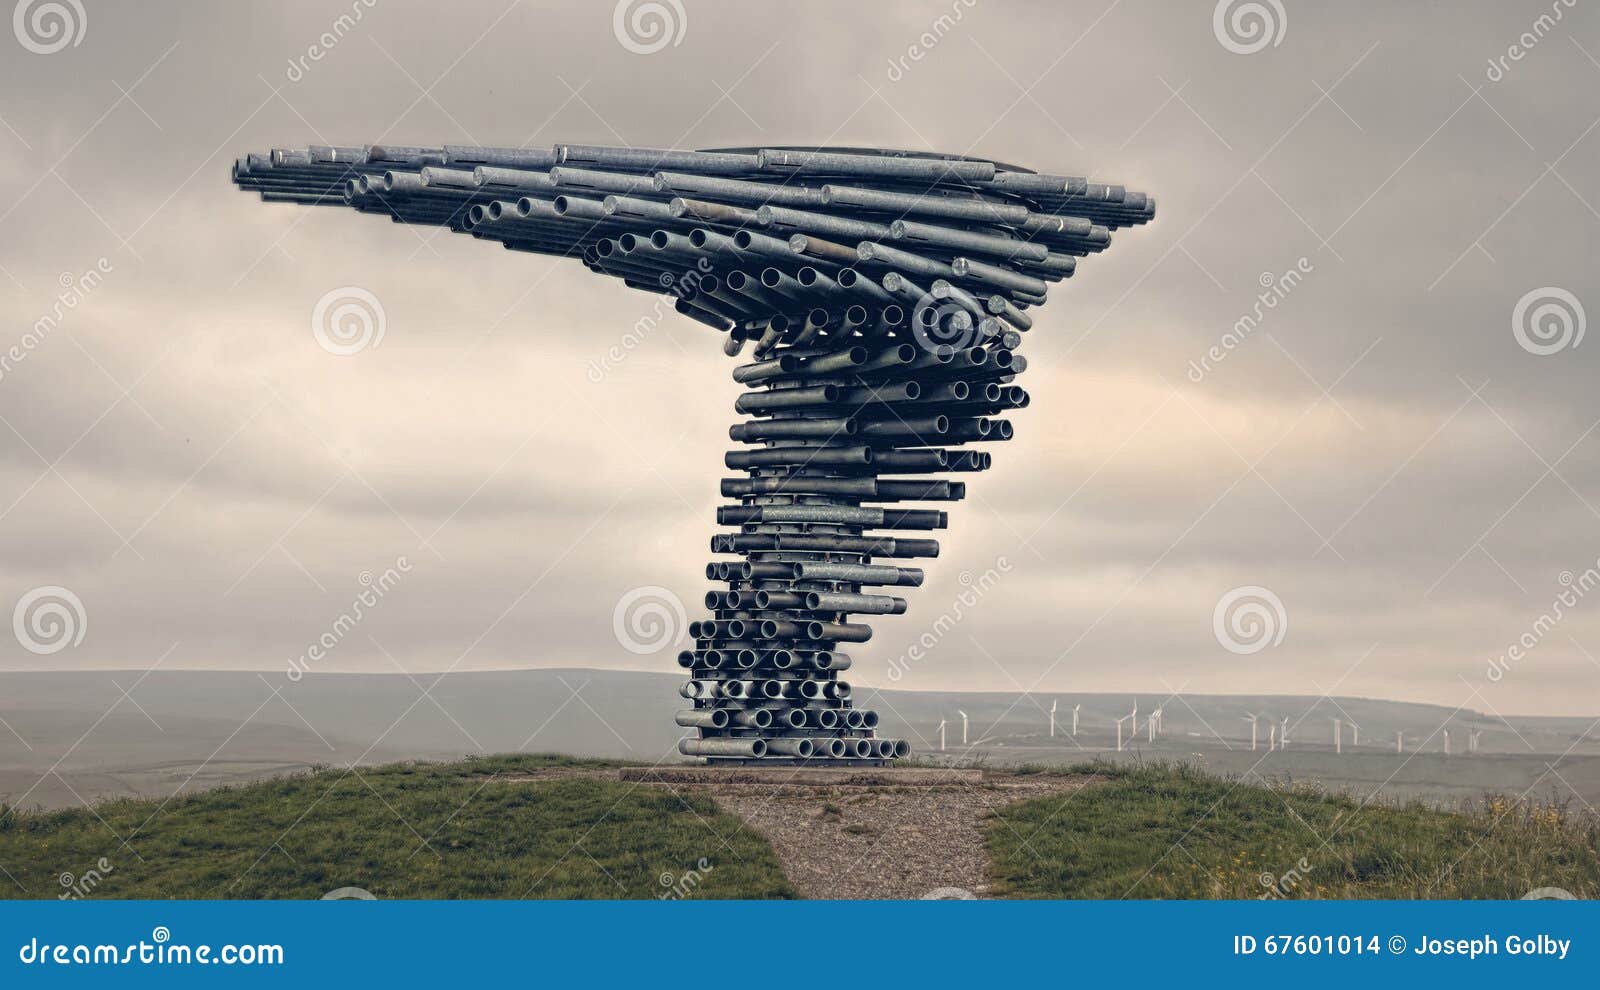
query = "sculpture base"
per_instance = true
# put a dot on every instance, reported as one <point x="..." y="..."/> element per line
<point x="866" y="774"/>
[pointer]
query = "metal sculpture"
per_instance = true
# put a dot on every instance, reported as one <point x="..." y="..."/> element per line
<point x="884" y="296"/>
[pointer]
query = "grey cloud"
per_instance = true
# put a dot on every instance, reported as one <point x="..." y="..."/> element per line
<point x="477" y="416"/>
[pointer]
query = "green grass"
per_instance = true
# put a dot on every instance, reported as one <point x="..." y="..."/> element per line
<point x="402" y="831"/>
<point x="1174" y="832"/>
<point x="462" y="830"/>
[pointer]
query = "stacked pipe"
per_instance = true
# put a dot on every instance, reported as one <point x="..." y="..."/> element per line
<point x="882" y="297"/>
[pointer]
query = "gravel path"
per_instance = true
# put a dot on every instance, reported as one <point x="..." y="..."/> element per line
<point x="881" y="841"/>
<point x="863" y="835"/>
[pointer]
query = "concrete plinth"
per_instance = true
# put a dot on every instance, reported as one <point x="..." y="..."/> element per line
<point x="804" y="776"/>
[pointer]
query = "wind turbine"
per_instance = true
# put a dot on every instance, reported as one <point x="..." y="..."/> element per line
<point x="963" y="726"/>
<point x="941" y="735"/>
<point x="1338" y="735"/>
<point x="1355" y="734"/>
<point x="1472" y="740"/>
<point x="1119" y="730"/>
<point x="1399" y="741"/>
<point x="1133" y="729"/>
<point x="1153" y="724"/>
<point x="1447" y="742"/>
<point x="1272" y="737"/>
<point x="1252" y="719"/>
<point x="1052" y="718"/>
<point x="1075" y="719"/>
<point x="1283" y="734"/>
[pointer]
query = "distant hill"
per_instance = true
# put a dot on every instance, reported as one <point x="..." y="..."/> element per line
<point x="74" y="735"/>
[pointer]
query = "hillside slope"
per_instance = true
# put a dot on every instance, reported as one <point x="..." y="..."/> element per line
<point x="556" y="827"/>
<point x="503" y="827"/>
<point x="1173" y="832"/>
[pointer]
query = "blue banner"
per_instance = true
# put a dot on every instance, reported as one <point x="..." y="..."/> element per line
<point x="691" y="943"/>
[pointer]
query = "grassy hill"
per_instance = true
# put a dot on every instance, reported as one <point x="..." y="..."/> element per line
<point x="556" y="827"/>
<point x="460" y="830"/>
<point x="1173" y="832"/>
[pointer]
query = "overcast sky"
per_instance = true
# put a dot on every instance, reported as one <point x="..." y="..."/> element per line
<point x="1384" y="454"/>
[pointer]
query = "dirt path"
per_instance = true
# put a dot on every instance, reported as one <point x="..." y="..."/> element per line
<point x="881" y="840"/>
<point x="857" y="835"/>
